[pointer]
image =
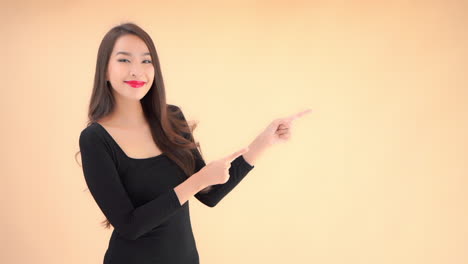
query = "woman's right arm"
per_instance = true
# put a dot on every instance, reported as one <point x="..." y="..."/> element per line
<point x="110" y="195"/>
<point x="190" y="187"/>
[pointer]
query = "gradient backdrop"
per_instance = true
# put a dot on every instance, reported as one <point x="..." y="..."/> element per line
<point x="377" y="173"/>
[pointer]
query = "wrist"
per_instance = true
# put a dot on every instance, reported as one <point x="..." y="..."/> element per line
<point x="256" y="149"/>
<point x="199" y="180"/>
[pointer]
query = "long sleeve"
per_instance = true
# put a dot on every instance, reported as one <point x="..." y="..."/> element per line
<point x="103" y="181"/>
<point x="238" y="170"/>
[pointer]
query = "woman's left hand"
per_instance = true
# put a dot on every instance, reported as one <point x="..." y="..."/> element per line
<point x="279" y="130"/>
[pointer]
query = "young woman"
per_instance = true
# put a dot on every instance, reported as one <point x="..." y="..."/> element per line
<point x="140" y="160"/>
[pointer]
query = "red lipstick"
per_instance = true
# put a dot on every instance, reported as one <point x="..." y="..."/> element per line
<point x="135" y="84"/>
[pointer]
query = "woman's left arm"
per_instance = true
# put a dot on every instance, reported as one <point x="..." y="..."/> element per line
<point x="278" y="131"/>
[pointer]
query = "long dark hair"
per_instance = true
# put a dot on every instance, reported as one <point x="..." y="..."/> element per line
<point x="170" y="131"/>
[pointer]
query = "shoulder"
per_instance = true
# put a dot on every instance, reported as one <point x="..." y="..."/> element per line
<point x="90" y="130"/>
<point x="173" y="108"/>
<point x="176" y="111"/>
<point x="95" y="144"/>
<point x="91" y="133"/>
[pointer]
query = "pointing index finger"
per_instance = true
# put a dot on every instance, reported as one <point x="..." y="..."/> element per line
<point x="300" y="114"/>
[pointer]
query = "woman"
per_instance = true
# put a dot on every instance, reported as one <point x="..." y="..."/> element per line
<point x="140" y="160"/>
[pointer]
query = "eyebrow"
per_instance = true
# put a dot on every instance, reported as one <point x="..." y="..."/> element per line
<point x="129" y="54"/>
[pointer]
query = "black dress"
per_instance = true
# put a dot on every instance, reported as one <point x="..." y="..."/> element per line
<point x="137" y="196"/>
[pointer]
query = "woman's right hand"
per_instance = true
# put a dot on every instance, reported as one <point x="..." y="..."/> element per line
<point x="217" y="171"/>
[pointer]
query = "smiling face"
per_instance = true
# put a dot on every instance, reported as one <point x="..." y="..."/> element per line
<point x="130" y="61"/>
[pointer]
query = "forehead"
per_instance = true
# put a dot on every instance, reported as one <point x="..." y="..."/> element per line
<point x="130" y="43"/>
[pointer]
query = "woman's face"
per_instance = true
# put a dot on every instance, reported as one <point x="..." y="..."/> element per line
<point x="130" y="61"/>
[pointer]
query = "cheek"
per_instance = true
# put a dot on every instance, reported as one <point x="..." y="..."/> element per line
<point x="116" y="69"/>
<point x="150" y="72"/>
<point x="150" y="77"/>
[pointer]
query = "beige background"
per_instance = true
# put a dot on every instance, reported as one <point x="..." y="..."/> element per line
<point x="377" y="173"/>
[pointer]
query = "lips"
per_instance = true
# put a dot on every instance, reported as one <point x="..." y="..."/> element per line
<point x="135" y="84"/>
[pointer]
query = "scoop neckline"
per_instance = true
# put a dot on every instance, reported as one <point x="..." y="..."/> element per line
<point x="121" y="150"/>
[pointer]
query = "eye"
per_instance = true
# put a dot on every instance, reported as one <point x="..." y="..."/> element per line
<point x="123" y="60"/>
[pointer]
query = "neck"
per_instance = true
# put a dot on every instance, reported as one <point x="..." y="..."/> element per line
<point x="128" y="113"/>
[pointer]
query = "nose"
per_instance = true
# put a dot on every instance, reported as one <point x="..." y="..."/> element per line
<point x="136" y="70"/>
